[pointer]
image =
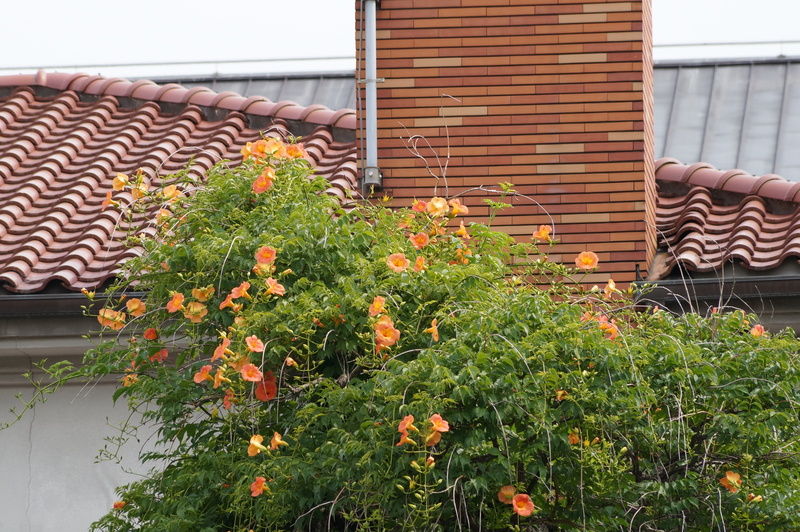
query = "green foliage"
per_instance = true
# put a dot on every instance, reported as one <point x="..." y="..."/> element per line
<point x="608" y="415"/>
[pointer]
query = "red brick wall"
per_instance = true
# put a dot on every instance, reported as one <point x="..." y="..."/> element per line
<point x="545" y="94"/>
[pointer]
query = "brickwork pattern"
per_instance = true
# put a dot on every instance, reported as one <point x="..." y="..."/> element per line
<point x="545" y="94"/>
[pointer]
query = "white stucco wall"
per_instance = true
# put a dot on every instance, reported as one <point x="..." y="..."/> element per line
<point x="50" y="480"/>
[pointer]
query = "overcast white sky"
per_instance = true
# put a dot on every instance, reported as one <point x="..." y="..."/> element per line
<point x="85" y="35"/>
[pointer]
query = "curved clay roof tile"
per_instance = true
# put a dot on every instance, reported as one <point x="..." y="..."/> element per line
<point x="169" y="88"/>
<point x="200" y="96"/>
<point x="227" y="100"/>
<point x="793" y="193"/>
<point x="83" y="82"/>
<point x="322" y="115"/>
<point x="249" y="102"/>
<point x="736" y="181"/>
<point x="114" y="87"/>
<point x="260" y="107"/>
<point x="192" y="113"/>
<point x="289" y="110"/>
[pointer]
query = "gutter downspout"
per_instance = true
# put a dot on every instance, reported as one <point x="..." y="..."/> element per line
<point x="373" y="179"/>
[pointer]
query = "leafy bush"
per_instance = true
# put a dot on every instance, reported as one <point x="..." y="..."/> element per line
<point x="311" y="367"/>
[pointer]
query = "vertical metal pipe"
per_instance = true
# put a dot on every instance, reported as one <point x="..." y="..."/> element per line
<point x="372" y="174"/>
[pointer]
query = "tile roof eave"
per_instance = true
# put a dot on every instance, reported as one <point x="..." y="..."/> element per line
<point x="68" y="135"/>
<point x="708" y="218"/>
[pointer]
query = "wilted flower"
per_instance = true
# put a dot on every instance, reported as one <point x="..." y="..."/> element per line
<point x="151" y="334"/>
<point x="757" y="330"/>
<point x="228" y="399"/>
<point x="419" y="264"/>
<point x="119" y="505"/>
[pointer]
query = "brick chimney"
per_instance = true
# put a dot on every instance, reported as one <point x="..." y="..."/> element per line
<point x="554" y="96"/>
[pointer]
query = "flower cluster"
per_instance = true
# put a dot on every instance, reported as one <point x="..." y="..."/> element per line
<point x="426" y="224"/>
<point x="520" y="502"/>
<point x="194" y="311"/>
<point x="270" y="148"/>
<point x="433" y="436"/>
<point x="609" y="327"/>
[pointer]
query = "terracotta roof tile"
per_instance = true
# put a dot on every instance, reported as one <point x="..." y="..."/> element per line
<point x="64" y="136"/>
<point x="707" y="217"/>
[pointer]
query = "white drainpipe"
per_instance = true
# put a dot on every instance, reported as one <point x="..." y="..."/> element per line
<point x="372" y="174"/>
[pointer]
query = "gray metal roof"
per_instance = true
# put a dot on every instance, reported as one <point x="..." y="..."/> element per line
<point x="334" y="90"/>
<point x="731" y="114"/>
